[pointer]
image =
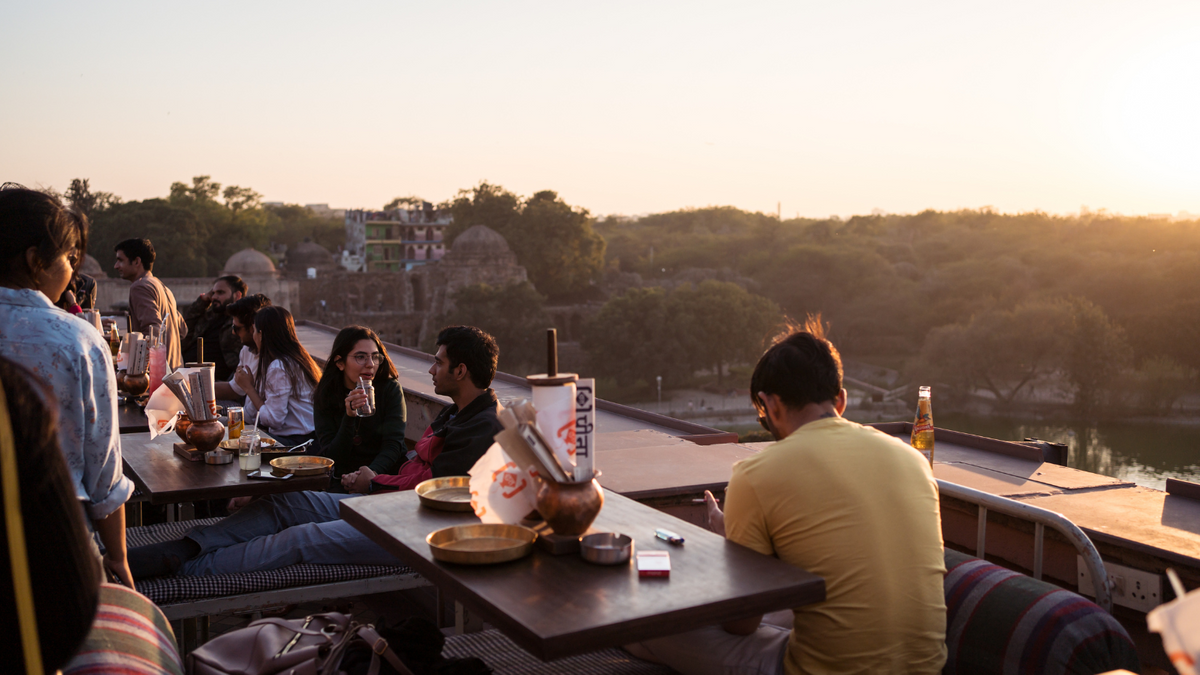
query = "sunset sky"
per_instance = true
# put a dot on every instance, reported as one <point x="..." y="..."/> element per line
<point x="826" y="107"/>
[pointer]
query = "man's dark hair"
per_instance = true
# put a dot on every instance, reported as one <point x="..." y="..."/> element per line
<point x="244" y="310"/>
<point x="138" y="248"/>
<point x="475" y="348"/>
<point x="802" y="367"/>
<point x="235" y="283"/>
<point x="32" y="219"/>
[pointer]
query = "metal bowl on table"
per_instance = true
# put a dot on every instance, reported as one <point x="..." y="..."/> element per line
<point x="481" y="543"/>
<point x="218" y="457"/>
<point x="606" y="548"/>
<point x="449" y="493"/>
<point x="301" y="466"/>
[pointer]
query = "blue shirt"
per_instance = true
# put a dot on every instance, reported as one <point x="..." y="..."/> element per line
<point x="71" y="357"/>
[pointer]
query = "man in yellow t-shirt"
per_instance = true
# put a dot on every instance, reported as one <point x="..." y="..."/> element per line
<point x="844" y="501"/>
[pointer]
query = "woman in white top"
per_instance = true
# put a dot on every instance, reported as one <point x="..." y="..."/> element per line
<point x="282" y="390"/>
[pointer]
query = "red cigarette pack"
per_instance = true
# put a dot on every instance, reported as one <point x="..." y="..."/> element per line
<point x="654" y="563"/>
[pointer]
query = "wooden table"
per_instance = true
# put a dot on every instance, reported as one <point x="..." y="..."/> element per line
<point x="557" y="606"/>
<point x="132" y="419"/>
<point x="167" y="478"/>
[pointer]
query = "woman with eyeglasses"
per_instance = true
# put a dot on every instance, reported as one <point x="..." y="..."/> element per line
<point x="354" y="441"/>
<point x="282" y="391"/>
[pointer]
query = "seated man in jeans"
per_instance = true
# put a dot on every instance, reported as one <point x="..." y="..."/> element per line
<point x="306" y="527"/>
<point x="843" y="501"/>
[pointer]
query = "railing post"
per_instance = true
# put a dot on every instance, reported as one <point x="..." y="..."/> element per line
<point x="1039" y="549"/>
<point x="981" y="534"/>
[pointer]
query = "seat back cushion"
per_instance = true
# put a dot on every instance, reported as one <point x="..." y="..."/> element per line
<point x="999" y="621"/>
<point x="130" y="636"/>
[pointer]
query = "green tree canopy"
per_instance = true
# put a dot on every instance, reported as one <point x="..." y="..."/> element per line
<point x="512" y="314"/>
<point x="554" y="241"/>
<point x="631" y="339"/>
<point x="180" y="238"/>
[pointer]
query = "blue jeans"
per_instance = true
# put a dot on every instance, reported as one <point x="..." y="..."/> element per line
<point x="281" y="530"/>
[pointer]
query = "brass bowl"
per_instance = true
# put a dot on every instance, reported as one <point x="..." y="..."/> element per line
<point x="570" y="508"/>
<point x="304" y="465"/>
<point x="481" y="543"/>
<point x="264" y="442"/>
<point x="181" y="426"/>
<point x="451" y="493"/>
<point x="137" y="384"/>
<point x="205" y="435"/>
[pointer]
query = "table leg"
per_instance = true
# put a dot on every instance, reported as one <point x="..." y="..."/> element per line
<point x="465" y="621"/>
<point x="187" y="511"/>
<point x="171" y="513"/>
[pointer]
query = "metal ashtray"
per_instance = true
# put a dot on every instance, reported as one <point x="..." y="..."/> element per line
<point x="606" y="548"/>
<point x="218" y="457"/>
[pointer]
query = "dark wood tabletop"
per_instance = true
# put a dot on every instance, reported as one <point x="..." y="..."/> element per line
<point x="557" y="606"/>
<point x="132" y="418"/>
<point x="167" y="478"/>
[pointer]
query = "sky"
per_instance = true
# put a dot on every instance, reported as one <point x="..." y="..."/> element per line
<point x="811" y="108"/>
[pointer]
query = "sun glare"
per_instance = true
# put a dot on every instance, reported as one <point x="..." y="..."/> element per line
<point x="1152" y="112"/>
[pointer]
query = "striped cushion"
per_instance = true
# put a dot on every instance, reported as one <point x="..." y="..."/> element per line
<point x="999" y="621"/>
<point x="506" y="658"/>
<point x="130" y="636"/>
<point x="169" y="590"/>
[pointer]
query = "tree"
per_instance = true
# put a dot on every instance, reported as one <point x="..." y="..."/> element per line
<point x="554" y="241"/>
<point x="1001" y="351"/>
<point x="721" y="323"/>
<point x="409" y="202"/>
<point x="631" y="339"/>
<point x="80" y="196"/>
<point x="1096" y="351"/>
<point x="512" y="314"/>
<point x="179" y="237"/>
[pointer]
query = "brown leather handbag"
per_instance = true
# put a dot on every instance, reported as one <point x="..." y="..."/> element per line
<point x="314" y="645"/>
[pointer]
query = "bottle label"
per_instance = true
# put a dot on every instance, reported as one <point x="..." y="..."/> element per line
<point x="924" y="422"/>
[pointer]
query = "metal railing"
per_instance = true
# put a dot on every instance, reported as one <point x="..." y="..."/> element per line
<point x="1040" y="518"/>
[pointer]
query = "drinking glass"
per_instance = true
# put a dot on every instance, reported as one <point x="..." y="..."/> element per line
<point x="367" y="409"/>
<point x="249" y="451"/>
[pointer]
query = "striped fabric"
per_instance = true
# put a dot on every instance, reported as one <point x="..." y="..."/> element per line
<point x="506" y="658"/>
<point x="169" y="590"/>
<point x="1002" y="622"/>
<point x="130" y="636"/>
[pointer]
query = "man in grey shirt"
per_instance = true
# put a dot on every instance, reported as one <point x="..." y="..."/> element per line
<point x="150" y="302"/>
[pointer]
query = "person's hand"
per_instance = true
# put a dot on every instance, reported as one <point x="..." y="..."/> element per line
<point x="237" y="503"/>
<point x="68" y="298"/>
<point x="244" y="378"/>
<point x="205" y="297"/>
<point x="119" y="567"/>
<point x="356" y="400"/>
<point x="348" y="480"/>
<point x="716" y="519"/>
<point x="362" y="481"/>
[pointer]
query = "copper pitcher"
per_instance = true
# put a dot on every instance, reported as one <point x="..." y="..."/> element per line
<point x="181" y="426"/>
<point x="137" y="384"/>
<point x="206" y="435"/>
<point x="570" y="508"/>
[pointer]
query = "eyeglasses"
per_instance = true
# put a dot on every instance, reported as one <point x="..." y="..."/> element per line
<point x="762" y="420"/>
<point x="361" y="358"/>
<point x="762" y="414"/>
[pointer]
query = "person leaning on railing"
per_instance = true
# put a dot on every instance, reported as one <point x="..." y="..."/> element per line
<point x="37" y="242"/>
<point x="376" y="441"/>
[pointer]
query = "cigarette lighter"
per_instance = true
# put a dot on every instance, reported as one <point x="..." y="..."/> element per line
<point x="668" y="536"/>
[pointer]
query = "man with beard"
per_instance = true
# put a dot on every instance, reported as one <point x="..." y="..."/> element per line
<point x="241" y="315"/>
<point x="207" y="319"/>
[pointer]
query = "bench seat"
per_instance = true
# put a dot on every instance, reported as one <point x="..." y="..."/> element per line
<point x="504" y="657"/>
<point x="186" y="597"/>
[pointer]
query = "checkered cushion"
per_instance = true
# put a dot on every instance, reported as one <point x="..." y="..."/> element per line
<point x="168" y="590"/>
<point x="505" y="658"/>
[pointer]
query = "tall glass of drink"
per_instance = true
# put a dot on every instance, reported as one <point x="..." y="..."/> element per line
<point x="367" y="409"/>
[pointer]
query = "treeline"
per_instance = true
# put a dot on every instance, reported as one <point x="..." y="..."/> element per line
<point x="197" y="226"/>
<point x="1106" y="305"/>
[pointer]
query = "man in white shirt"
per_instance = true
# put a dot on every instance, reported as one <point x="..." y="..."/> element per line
<point x="242" y="312"/>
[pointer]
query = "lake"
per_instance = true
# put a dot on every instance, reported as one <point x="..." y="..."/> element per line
<point x="1144" y="453"/>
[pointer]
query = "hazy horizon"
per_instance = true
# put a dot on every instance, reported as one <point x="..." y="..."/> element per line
<point x="622" y="108"/>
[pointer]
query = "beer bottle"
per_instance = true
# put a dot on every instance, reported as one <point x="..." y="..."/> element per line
<point x="922" y="431"/>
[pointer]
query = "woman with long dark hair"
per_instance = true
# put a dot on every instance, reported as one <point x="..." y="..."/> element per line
<point x="375" y="442"/>
<point x="282" y="391"/>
